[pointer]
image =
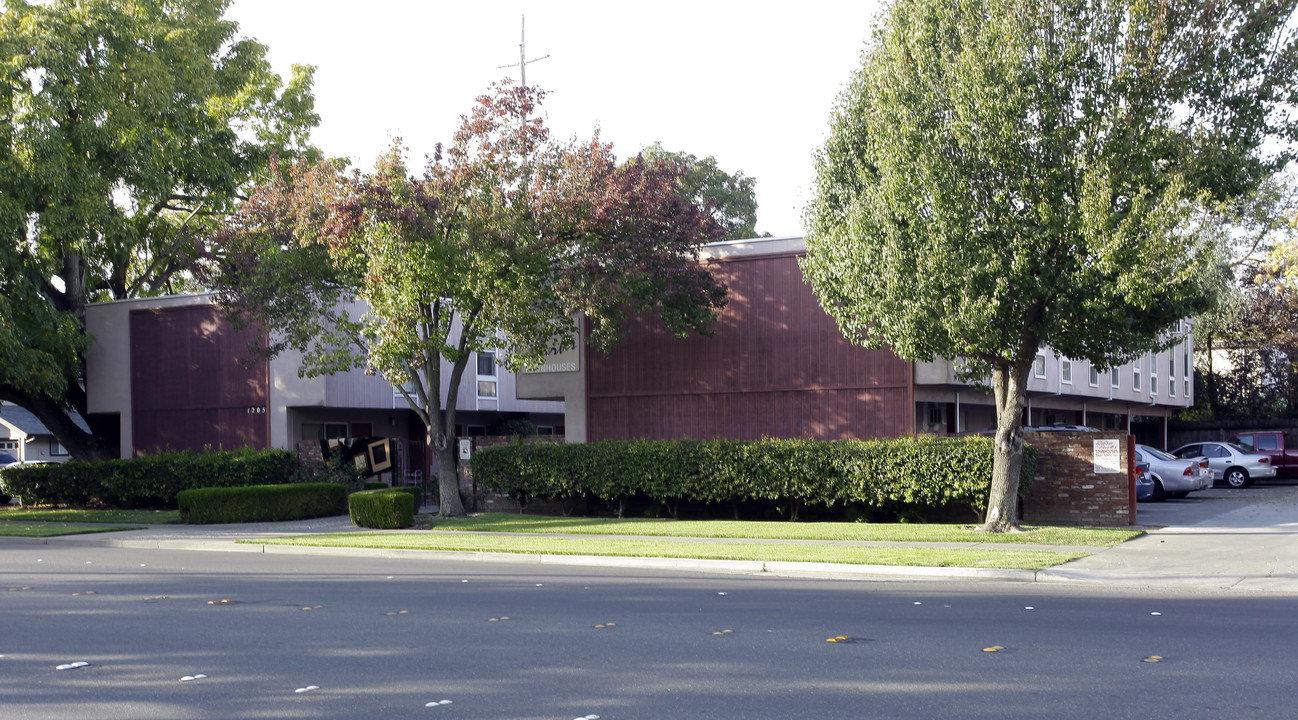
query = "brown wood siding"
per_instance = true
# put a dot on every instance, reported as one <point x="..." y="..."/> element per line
<point x="777" y="366"/>
<point x="189" y="390"/>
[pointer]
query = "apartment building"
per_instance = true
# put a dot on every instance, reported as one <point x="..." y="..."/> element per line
<point x="180" y="377"/>
<point x="777" y="366"/>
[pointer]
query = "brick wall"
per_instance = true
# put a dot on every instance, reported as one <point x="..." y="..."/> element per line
<point x="1068" y="491"/>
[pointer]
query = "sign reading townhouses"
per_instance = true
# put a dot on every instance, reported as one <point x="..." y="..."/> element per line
<point x="566" y="361"/>
<point x="1107" y="456"/>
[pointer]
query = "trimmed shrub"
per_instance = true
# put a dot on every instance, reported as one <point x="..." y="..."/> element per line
<point x="389" y="509"/>
<point x="415" y="492"/>
<point x="898" y="475"/>
<point x="151" y="481"/>
<point x="262" y="503"/>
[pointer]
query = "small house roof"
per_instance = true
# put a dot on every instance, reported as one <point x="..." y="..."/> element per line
<point x="24" y="420"/>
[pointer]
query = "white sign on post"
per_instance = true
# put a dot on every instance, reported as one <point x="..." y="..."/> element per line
<point x="1107" y="455"/>
<point x="466" y="448"/>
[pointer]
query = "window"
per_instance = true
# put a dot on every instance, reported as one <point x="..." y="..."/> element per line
<point x="1039" y="366"/>
<point x="323" y="431"/>
<point x="1171" y="374"/>
<point x="1066" y="371"/>
<point x="487" y="375"/>
<point x="1095" y="376"/>
<point x="1187" y="367"/>
<point x="936" y="414"/>
<point x="1116" y="374"/>
<point x="1153" y="375"/>
<point x="56" y="448"/>
<point x="1135" y="376"/>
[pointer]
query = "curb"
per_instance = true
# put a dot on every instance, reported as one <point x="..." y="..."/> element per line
<point x="775" y="568"/>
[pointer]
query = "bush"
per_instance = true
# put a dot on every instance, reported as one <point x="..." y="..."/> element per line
<point x="415" y="492"/>
<point x="262" y="503"/>
<point x="151" y="481"/>
<point x="389" y="509"/>
<point x="898" y="475"/>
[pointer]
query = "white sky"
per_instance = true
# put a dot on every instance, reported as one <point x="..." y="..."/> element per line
<point x="751" y="84"/>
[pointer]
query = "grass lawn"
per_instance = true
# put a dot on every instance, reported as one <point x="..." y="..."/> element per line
<point x="915" y="545"/>
<point x="51" y="522"/>
<point x="67" y="515"/>
<point x="972" y="557"/>
<point x="777" y="530"/>
<point x="9" y="528"/>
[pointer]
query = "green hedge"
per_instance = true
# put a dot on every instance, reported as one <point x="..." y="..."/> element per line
<point x="388" y="509"/>
<point x="262" y="503"/>
<point x="151" y="481"/>
<point x="888" y="474"/>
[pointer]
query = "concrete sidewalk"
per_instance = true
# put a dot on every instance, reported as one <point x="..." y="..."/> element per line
<point x="1242" y="539"/>
<point x="1223" y="539"/>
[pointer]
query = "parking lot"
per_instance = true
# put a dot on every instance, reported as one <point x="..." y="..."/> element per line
<point x="1204" y="505"/>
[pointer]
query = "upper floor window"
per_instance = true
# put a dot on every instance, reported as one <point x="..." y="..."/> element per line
<point x="1066" y="371"/>
<point x="1135" y="376"/>
<point x="487" y="375"/>
<point x="1116" y="377"/>
<point x="1095" y="376"/>
<point x="1039" y="366"/>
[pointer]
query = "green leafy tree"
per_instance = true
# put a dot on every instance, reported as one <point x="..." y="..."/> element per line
<point x="1006" y="175"/>
<point x="1254" y="235"/>
<point x="732" y="199"/>
<point x="126" y="128"/>
<point x="502" y="241"/>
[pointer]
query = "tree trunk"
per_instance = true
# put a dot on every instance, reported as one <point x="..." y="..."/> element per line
<point x="1010" y="387"/>
<point x="448" y="477"/>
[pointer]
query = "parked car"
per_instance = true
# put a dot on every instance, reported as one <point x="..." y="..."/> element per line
<point x="7" y="459"/>
<point x="1144" y="483"/>
<point x="1281" y="447"/>
<point x="1059" y="427"/>
<point x="1173" y="476"/>
<point x="1233" y="463"/>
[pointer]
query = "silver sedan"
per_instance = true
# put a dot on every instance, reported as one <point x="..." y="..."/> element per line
<point x="1238" y="466"/>
<point x="1173" y="476"/>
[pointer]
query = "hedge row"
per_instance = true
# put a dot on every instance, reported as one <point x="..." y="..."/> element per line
<point x="926" y="472"/>
<point x="388" y="509"/>
<point x="261" y="503"/>
<point x="151" y="481"/>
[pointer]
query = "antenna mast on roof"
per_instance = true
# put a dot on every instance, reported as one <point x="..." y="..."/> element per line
<point x="522" y="54"/>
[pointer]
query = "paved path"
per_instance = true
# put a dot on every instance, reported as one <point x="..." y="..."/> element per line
<point x="1244" y="540"/>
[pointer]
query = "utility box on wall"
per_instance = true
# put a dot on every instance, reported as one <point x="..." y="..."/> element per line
<point x="1083" y="478"/>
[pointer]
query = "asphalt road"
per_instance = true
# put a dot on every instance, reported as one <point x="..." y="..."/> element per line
<point x="384" y="638"/>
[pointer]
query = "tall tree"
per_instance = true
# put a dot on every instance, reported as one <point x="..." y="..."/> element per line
<point x="126" y="127"/>
<point x="731" y="198"/>
<point x="1254" y="235"/>
<point x="1006" y="175"/>
<point x="502" y="241"/>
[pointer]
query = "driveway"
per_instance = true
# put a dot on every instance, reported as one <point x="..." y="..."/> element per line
<point x="1220" y="538"/>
